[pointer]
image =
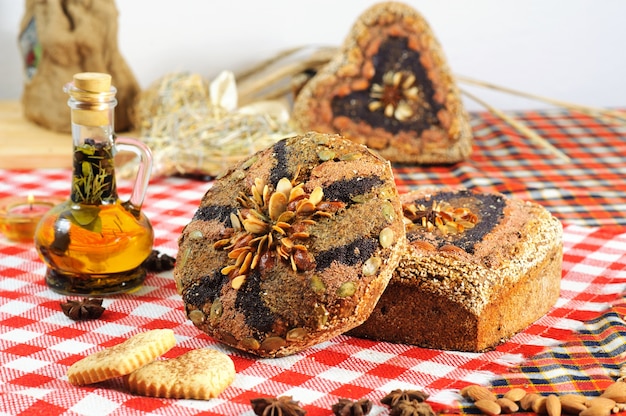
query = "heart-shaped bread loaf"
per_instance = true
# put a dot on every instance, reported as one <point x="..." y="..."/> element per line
<point x="390" y="88"/>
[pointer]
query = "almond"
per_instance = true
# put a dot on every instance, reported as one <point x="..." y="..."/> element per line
<point x="476" y="392"/>
<point x="507" y="405"/>
<point x="515" y="394"/>
<point x="572" y="405"/>
<point x="616" y="391"/>
<point x="526" y="402"/>
<point x="596" y="411"/>
<point x="539" y="405"/>
<point x="601" y="402"/>
<point x="488" y="407"/>
<point x="578" y="398"/>
<point x="553" y="405"/>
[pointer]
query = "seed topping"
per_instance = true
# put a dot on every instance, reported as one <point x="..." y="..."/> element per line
<point x="441" y="216"/>
<point x="272" y="223"/>
<point x="396" y="96"/>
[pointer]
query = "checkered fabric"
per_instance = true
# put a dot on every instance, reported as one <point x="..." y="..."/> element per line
<point x="575" y="346"/>
<point x="589" y="189"/>
<point x="584" y="363"/>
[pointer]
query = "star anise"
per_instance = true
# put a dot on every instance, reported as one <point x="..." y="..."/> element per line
<point x="157" y="262"/>
<point x="281" y="406"/>
<point x="272" y="224"/>
<point x="441" y="215"/>
<point x="82" y="310"/>
<point x="391" y="399"/>
<point x="346" y="407"/>
<point x="411" y="408"/>
<point x="395" y="95"/>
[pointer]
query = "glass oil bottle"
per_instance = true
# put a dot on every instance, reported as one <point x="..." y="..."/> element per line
<point x="94" y="243"/>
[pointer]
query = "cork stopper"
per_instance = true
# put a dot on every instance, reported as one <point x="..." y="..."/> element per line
<point x="93" y="82"/>
<point x="97" y="97"/>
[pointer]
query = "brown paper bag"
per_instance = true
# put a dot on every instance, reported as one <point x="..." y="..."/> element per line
<point x="59" y="38"/>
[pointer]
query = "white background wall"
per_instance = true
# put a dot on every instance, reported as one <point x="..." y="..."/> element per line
<point x="573" y="50"/>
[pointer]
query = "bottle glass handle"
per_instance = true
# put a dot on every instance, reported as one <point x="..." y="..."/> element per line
<point x="144" y="169"/>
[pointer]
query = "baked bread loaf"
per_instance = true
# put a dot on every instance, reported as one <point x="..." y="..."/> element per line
<point x="478" y="269"/>
<point x="389" y="87"/>
<point x="291" y="247"/>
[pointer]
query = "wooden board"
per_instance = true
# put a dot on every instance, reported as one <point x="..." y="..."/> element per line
<point x="25" y="145"/>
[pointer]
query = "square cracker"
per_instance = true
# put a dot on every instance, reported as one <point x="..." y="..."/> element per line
<point x="198" y="374"/>
<point x="121" y="359"/>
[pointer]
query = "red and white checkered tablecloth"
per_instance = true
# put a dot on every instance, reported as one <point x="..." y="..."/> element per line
<point x="38" y="343"/>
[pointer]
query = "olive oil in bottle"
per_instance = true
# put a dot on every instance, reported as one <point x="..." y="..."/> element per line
<point x="94" y="243"/>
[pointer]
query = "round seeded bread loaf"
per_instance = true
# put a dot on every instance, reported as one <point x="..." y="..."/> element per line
<point x="292" y="246"/>
<point x="479" y="267"/>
